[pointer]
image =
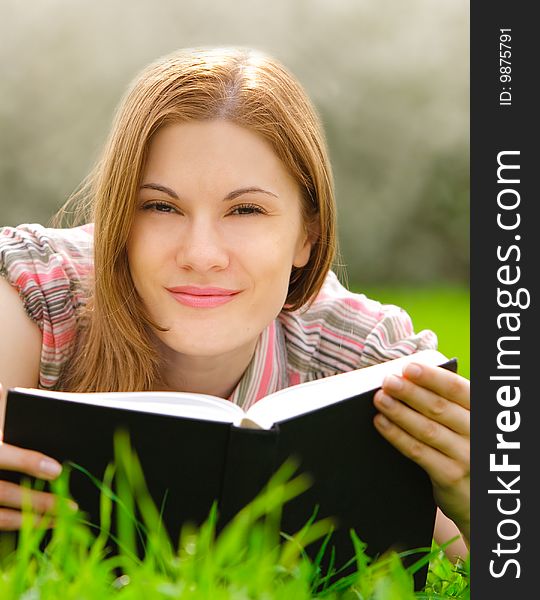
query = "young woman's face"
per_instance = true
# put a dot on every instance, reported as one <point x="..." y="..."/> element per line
<point x="217" y="230"/>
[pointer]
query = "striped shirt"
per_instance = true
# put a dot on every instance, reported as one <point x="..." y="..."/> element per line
<point x="341" y="331"/>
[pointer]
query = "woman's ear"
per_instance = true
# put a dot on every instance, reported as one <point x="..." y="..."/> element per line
<point x="306" y="242"/>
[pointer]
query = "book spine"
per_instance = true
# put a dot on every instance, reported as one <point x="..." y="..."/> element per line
<point x="250" y="462"/>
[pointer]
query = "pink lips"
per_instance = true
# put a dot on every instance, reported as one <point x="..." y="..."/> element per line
<point x="202" y="297"/>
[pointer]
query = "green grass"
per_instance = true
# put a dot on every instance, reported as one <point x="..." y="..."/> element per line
<point x="245" y="561"/>
<point x="443" y="309"/>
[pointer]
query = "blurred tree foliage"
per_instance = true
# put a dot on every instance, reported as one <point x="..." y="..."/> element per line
<point x="389" y="79"/>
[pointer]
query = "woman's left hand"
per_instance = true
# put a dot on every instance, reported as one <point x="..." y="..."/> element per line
<point x="426" y="415"/>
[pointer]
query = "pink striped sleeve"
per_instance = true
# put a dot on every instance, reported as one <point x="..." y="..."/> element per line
<point x="51" y="269"/>
<point x="394" y="336"/>
<point x="342" y="331"/>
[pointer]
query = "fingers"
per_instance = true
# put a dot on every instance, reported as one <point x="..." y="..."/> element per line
<point x="13" y="458"/>
<point x="11" y="520"/>
<point x="425" y="416"/>
<point x="15" y="496"/>
<point x="418" y="409"/>
<point x="450" y="476"/>
<point x="429" y="403"/>
<point x="443" y="470"/>
<point x="422" y="429"/>
<point x="44" y="506"/>
<point x="442" y="382"/>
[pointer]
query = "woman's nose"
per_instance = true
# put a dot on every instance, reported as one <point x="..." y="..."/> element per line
<point x="202" y="248"/>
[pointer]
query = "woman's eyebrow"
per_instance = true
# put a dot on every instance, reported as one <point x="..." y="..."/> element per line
<point x="247" y="190"/>
<point x="230" y="196"/>
<point x="160" y="188"/>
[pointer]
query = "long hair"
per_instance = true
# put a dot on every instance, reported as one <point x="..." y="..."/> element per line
<point x="115" y="350"/>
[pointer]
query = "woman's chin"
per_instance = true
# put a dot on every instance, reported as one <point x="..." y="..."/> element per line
<point x="204" y="344"/>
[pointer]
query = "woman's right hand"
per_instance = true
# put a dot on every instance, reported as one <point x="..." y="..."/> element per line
<point x="20" y="355"/>
<point x="13" y="458"/>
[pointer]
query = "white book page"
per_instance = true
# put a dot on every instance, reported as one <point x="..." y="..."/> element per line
<point x="181" y="404"/>
<point x="306" y="397"/>
<point x="284" y="404"/>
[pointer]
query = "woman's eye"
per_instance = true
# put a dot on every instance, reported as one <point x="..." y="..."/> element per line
<point x="247" y="209"/>
<point x="161" y="207"/>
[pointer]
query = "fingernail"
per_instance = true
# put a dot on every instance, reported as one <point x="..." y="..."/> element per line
<point x="386" y="401"/>
<point x="382" y="421"/>
<point x="73" y="506"/>
<point x="413" y="370"/>
<point x="393" y="382"/>
<point x="50" y="467"/>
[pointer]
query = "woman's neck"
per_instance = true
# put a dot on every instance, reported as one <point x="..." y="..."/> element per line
<point x="213" y="375"/>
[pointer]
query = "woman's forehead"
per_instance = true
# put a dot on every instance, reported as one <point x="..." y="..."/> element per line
<point x="207" y="153"/>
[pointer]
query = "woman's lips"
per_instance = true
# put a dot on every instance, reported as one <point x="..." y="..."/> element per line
<point x="202" y="297"/>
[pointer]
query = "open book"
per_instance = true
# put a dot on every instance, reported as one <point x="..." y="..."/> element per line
<point x="195" y="449"/>
<point x="279" y="406"/>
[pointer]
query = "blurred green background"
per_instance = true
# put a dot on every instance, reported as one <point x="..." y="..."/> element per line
<point x="389" y="79"/>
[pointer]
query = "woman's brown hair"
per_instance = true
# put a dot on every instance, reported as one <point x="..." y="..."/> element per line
<point x="115" y="350"/>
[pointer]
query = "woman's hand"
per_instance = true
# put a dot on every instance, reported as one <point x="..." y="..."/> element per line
<point x="32" y="463"/>
<point x="425" y="415"/>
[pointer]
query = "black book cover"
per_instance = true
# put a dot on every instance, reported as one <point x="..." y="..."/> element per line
<point x="357" y="477"/>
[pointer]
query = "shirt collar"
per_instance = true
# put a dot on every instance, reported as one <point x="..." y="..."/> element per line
<point x="267" y="371"/>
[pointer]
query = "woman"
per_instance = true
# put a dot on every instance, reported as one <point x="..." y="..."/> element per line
<point x="213" y="235"/>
